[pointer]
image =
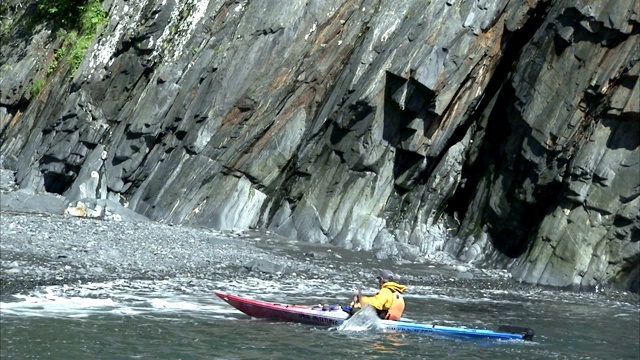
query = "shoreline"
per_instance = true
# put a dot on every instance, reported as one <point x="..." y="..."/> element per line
<point x="44" y="249"/>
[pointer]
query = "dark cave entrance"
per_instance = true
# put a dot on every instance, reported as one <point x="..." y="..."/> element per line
<point x="511" y="237"/>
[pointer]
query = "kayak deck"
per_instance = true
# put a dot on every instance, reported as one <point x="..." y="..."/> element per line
<point x="457" y="331"/>
<point x="334" y="315"/>
<point x="314" y="315"/>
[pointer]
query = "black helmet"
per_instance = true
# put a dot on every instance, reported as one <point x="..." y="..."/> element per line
<point x="386" y="275"/>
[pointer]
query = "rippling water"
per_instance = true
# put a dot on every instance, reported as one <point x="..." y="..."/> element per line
<point x="182" y="319"/>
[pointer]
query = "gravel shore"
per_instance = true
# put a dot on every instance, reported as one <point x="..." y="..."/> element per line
<point x="45" y="249"/>
<point x="41" y="244"/>
<point x="42" y="249"/>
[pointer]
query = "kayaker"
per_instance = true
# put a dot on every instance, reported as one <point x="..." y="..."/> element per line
<point x="388" y="302"/>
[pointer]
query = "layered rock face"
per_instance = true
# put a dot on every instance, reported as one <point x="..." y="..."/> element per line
<point x="505" y="133"/>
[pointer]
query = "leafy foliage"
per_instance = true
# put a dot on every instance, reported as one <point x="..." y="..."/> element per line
<point x="92" y="17"/>
<point x="79" y="20"/>
<point x="62" y="13"/>
<point x="36" y="86"/>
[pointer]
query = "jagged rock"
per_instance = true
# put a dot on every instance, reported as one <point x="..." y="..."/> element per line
<point x="25" y="200"/>
<point x="370" y="125"/>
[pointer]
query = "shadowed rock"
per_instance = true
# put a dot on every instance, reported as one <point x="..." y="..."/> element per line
<point x="503" y="133"/>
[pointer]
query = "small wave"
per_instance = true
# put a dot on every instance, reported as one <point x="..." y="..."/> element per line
<point x="182" y="295"/>
<point x="363" y="320"/>
<point x="49" y="301"/>
<point x="116" y="298"/>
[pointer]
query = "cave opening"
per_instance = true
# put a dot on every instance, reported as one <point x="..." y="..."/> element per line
<point x="491" y="160"/>
<point x="57" y="175"/>
<point x="56" y="183"/>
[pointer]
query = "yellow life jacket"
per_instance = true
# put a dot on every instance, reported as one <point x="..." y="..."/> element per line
<point x="397" y="307"/>
<point x="388" y="302"/>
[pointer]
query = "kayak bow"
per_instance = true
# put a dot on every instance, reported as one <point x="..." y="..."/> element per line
<point x="313" y="315"/>
<point x="329" y="315"/>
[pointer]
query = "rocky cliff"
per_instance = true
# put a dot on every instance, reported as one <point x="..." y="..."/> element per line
<point x="506" y="133"/>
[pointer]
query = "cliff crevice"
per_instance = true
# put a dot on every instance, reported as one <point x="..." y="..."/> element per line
<point x="503" y="133"/>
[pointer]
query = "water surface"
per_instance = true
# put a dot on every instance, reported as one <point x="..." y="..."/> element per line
<point x="182" y="319"/>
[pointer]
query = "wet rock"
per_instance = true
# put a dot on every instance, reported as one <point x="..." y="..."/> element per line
<point x="14" y="271"/>
<point x="316" y="254"/>
<point x="464" y="276"/>
<point x="265" y="266"/>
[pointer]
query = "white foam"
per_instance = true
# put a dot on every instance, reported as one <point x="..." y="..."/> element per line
<point x="119" y="297"/>
<point x="49" y="301"/>
<point x="191" y="297"/>
<point x="363" y="320"/>
<point x="172" y="296"/>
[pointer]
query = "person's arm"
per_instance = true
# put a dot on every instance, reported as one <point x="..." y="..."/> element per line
<point x="381" y="300"/>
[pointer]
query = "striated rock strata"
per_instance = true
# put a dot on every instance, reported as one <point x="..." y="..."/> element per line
<point x="506" y="133"/>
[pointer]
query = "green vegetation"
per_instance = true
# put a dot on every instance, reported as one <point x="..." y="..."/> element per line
<point x="62" y="14"/>
<point x="36" y="86"/>
<point x="60" y="54"/>
<point x="5" y="19"/>
<point x="78" y="35"/>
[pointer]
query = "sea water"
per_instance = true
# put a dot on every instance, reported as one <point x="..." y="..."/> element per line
<point x="182" y="319"/>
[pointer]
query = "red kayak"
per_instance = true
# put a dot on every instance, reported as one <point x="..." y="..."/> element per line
<point x="335" y="315"/>
<point x="307" y="314"/>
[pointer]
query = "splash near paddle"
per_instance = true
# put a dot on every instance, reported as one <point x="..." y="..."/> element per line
<point x="363" y="320"/>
